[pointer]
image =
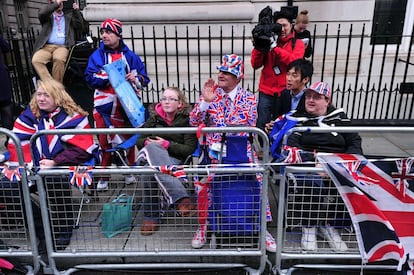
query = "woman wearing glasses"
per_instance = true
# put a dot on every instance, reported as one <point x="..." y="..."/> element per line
<point x="165" y="149"/>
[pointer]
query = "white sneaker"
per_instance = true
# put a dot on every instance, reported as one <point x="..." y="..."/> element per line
<point x="308" y="241"/>
<point x="270" y="242"/>
<point x="331" y="234"/>
<point x="200" y="238"/>
<point x="130" y="179"/>
<point x="102" y="185"/>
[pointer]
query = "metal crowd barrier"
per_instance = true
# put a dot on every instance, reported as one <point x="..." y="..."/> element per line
<point x="76" y="214"/>
<point x="300" y="186"/>
<point x="17" y="232"/>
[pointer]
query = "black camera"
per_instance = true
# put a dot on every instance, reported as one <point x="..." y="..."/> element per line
<point x="265" y="29"/>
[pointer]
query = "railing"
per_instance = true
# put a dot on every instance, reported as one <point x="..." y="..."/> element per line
<point x="373" y="83"/>
<point x="89" y="248"/>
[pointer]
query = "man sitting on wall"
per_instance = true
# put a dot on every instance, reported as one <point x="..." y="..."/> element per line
<point x="59" y="26"/>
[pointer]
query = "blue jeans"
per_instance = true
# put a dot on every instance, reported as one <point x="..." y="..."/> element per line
<point x="268" y="108"/>
<point x="172" y="188"/>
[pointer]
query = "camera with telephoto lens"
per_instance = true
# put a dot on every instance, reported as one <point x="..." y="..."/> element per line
<point x="265" y="30"/>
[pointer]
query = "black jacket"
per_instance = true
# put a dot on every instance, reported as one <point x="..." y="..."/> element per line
<point x="286" y="102"/>
<point x="326" y="142"/>
<point x="306" y="36"/>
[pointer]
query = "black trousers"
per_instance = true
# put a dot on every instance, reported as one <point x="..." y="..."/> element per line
<point x="59" y="201"/>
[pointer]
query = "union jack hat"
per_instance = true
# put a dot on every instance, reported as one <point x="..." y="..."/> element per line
<point x="233" y="64"/>
<point x="113" y="25"/>
<point x="320" y="88"/>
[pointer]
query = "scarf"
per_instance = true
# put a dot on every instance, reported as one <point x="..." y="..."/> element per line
<point x="49" y="146"/>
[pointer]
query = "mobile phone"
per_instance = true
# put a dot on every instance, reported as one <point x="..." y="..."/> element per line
<point x="68" y="4"/>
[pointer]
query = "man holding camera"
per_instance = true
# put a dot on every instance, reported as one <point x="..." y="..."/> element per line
<point x="274" y="48"/>
<point x="59" y="26"/>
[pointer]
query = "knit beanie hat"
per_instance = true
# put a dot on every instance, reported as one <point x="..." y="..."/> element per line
<point x="233" y="64"/>
<point x="113" y="25"/>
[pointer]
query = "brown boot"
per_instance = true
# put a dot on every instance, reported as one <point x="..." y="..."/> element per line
<point x="186" y="207"/>
<point x="149" y="227"/>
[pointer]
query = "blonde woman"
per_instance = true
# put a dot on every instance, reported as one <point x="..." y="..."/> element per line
<point x="51" y="107"/>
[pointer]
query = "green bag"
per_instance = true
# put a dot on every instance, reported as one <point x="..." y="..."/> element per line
<point x="117" y="216"/>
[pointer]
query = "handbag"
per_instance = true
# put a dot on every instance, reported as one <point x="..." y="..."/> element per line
<point x="117" y="216"/>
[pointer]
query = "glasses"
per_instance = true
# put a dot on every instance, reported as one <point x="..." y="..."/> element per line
<point x="314" y="96"/>
<point x="169" y="99"/>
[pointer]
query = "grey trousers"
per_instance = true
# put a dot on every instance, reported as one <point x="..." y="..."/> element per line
<point x="172" y="189"/>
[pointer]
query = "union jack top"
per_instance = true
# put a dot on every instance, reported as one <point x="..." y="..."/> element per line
<point x="242" y="112"/>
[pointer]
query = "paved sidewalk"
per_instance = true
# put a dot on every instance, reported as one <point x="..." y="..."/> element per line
<point x="388" y="144"/>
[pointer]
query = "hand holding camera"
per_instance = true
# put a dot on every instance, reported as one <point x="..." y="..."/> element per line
<point x="265" y="33"/>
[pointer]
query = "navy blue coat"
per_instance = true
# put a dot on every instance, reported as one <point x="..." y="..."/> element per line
<point x="5" y="91"/>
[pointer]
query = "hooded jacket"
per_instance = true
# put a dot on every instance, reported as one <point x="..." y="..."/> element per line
<point x="180" y="145"/>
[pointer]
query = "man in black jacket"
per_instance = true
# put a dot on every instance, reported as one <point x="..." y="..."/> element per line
<point x="299" y="73"/>
<point x="58" y="32"/>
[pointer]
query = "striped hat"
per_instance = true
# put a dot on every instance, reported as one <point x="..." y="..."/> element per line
<point x="320" y="88"/>
<point x="113" y="25"/>
<point x="233" y="64"/>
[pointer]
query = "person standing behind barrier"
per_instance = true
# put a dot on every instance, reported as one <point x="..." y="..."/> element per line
<point x="6" y="105"/>
<point x="299" y="73"/>
<point x="223" y="104"/>
<point x="301" y="32"/>
<point x="283" y="48"/>
<point x="51" y="107"/>
<point x="319" y="112"/>
<point x="108" y="111"/>
<point x="57" y="35"/>
<point x="298" y="76"/>
<point x="165" y="149"/>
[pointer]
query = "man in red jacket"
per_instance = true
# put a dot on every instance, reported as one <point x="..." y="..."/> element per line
<point x="284" y="48"/>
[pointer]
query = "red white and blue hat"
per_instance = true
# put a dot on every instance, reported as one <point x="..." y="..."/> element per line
<point x="113" y="25"/>
<point x="233" y="64"/>
<point x="320" y="88"/>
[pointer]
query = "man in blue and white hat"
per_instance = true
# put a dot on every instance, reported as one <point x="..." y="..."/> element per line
<point x="223" y="104"/>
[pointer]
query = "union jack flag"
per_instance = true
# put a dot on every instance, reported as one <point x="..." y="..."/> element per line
<point x="173" y="170"/>
<point x="12" y="173"/>
<point x="403" y="175"/>
<point x="295" y="155"/>
<point x="292" y="154"/>
<point x="382" y="215"/>
<point x="80" y="175"/>
<point x="354" y="169"/>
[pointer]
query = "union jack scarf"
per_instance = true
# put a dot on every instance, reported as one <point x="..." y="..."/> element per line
<point x="49" y="146"/>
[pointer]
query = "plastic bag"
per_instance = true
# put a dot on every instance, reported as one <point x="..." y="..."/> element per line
<point x="117" y="216"/>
